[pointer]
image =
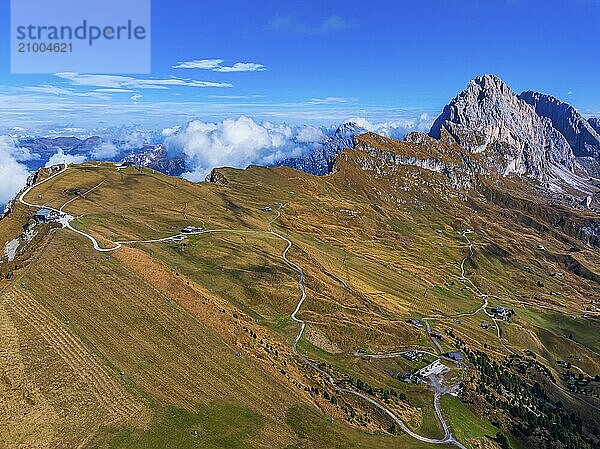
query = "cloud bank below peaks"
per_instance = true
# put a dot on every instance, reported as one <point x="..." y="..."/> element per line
<point x="395" y="128"/>
<point x="238" y="143"/>
<point x="13" y="174"/>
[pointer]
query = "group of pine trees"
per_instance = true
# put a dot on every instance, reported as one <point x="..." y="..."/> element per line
<point x="535" y="416"/>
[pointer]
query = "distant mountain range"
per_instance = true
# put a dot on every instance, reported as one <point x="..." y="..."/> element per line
<point x="529" y="134"/>
<point x="41" y="149"/>
<point x="152" y="156"/>
<point x="320" y="161"/>
<point x="157" y="158"/>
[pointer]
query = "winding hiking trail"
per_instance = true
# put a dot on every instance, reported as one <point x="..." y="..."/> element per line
<point x="483" y="308"/>
<point x="65" y="220"/>
<point x="465" y="280"/>
<point x="448" y="437"/>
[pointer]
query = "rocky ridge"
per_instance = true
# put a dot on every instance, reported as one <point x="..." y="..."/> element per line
<point x="320" y="161"/>
<point x="583" y="139"/>
<point x="488" y="117"/>
<point x="157" y="158"/>
<point x="595" y="123"/>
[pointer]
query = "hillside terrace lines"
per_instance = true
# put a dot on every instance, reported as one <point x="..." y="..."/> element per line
<point x="448" y="438"/>
<point x="108" y="393"/>
<point x="146" y="313"/>
<point x="220" y="317"/>
<point x="165" y="355"/>
<point x="168" y="354"/>
<point x="16" y="415"/>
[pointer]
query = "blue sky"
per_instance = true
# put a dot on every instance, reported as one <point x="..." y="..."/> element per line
<point x="321" y="62"/>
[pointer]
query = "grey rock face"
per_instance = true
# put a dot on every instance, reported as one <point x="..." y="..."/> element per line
<point x="488" y="117"/>
<point x="582" y="137"/>
<point x="320" y="161"/>
<point x="458" y="177"/>
<point x="157" y="158"/>
<point x="216" y="177"/>
<point x="595" y="123"/>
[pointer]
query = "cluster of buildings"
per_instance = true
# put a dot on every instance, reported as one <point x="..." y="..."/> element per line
<point x="416" y="323"/>
<point x="436" y="368"/>
<point x="191" y="230"/>
<point x="502" y="312"/>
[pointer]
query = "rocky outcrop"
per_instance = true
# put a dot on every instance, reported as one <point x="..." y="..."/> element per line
<point x="583" y="139"/>
<point x="383" y="159"/>
<point x="157" y="158"/>
<point x="488" y="117"/>
<point x="320" y="162"/>
<point x="595" y="123"/>
<point x="216" y="177"/>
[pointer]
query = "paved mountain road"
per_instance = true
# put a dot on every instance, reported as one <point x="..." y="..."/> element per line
<point x="448" y="437"/>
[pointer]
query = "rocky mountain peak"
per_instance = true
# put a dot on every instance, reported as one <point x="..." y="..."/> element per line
<point x="595" y="123"/>
<point x="157" y="158"/>
<point x="349" y="129"/>
<point x="488" y="117"/>
<point x="320" y="161"/>
<point x="582" y="137"/>
<point x="489" y="83"/>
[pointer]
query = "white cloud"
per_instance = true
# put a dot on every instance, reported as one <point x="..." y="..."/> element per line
<point x="310" y="134"/>
<point x="12" y="173"/>
<point x="207" y="64"/>
<point x="39" y="113"/>
<point x="290" y="25"/>
<point x="136" y="97"/>
<point x="235" y="97"/>
<point x="216" y="66"/>
<point x="242" y="67"/>
<point x="167" y="132"/>
<point x="330" y="100"/>
<point x="105" y="151"/>
<point x="128" y="82"/>
<point x="61" y="91"/>
<point x="238" y="143"/>
<point x="60" y="157"/>
<point x="114" y="91"/>
<point x="129" y="138"/>
<point x="395" y="128"/>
